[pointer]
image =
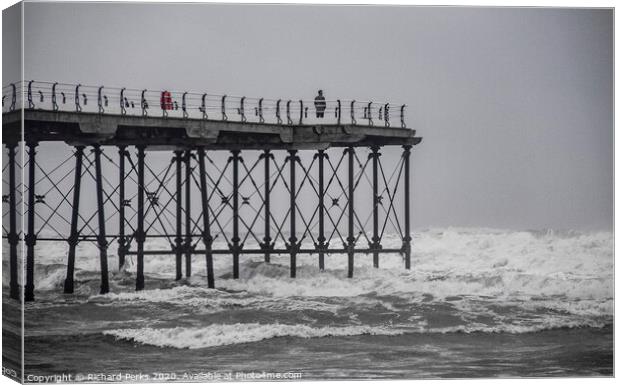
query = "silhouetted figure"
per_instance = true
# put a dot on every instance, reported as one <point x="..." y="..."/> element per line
<point x="320" y="104"/>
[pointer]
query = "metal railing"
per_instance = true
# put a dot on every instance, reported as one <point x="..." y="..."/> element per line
<point x="56" y="96"/>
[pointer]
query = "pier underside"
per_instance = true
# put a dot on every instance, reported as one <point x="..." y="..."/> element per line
<point x="207" y="187"/>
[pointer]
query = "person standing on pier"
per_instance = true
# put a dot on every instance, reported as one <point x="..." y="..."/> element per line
<point x="320" y="104"/>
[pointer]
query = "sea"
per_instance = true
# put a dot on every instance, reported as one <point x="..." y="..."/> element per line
<point x="476" y="303"/>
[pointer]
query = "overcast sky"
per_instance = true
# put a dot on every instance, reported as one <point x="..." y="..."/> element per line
<point x="515" y="105"/>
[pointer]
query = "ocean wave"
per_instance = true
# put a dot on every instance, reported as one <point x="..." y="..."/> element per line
<point x="240" y="333"/>
<point x="230" y="334"/>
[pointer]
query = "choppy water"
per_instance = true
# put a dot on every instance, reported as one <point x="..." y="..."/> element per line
<point x="477" y="302"/>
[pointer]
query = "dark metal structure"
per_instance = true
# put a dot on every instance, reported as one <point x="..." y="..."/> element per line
<point x="320" y="166"/>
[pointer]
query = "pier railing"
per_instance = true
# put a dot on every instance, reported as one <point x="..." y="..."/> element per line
<point x="56" y="96"/>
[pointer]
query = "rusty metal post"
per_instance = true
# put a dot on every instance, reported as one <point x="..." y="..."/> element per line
<point x="376" y="245"/>
<point x="31" y="236"/>
<point x="407" y="239"/>
<point x="140" y="234"/>
<point x="122" y="240"/>
<point x="206" y="232"/>
<point x="75" y="209"/>
<point x="293" y="246"/>
<point x="102" y="242"/>
<point x="179" y="215"/>
<point x="350" y="197"/>
<point x="13" y="238"/>
<point x="188" y="214"/>
<point x="267" y="156"/>
<point x="321" y="246"/>
<point x="235" y="247"/>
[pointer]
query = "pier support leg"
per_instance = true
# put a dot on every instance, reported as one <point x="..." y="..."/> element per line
<point x="267" y="156"/>
<point x="122" y="241"/>
<point x="206" y="232"/>
<point x="351" y="227"/>
<point x="321" y="246"/>
<point x="31" y="236"/>
<point x="140" y="234"/>
<point x="293" y="191"/>
<point x="179" y="215"/>
<point x="235" y="247"/>
<point x="75" y="209"/>
<point x="407" y="239"/>
<point x="376" y="245"/>
<point x="188" y="214"/>
<point x="101" y="238"/>
<point x="13" y="238"/>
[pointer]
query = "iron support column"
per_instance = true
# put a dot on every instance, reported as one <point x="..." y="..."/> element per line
<point x="31" y="236"/>
<point x="179" y="215"/>
<point x="235" y="247"/>
<point x="206" y="233"/>
<point x="375" y="246"/>
<point x="188" y="214"/>
<point x="101" y="238"/>
<point x="407" y="239"/>
<point x="267" y="238"/>
<point x="140" y="234"/>
<point x="75" y="209"/>
<point x="13" y="238"/>
<point x="350" y="197"/>
<point x="293" y="246"/>
<point x="122" y="241"/>
<point x="321" y="246"/>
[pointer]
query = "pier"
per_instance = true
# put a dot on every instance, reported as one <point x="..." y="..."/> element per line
<point x="274" y="148"/>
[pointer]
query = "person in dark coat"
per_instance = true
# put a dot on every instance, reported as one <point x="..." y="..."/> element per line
<point x="320" y="104"/>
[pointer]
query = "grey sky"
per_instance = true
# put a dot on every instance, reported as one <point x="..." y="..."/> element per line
<point x="515" y="105"/>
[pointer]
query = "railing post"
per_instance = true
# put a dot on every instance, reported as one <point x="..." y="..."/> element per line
<point x="293" y="246"/>
<point x="203" y="106"/>
<point x="179" y="214"/>
<point x="266" y="246"/>
<point x="13" y="97"/>
<point x="350" y="197"/>
<point x="123" y="110"/>
<point x="13" y="236"/>
<point x="143" y="104"/>
<point x="188" y="214"/>
<point x="31" y="236"/>
<point x="375" y="245"/>
<point x="224" y="116"/>
<point x="122" y="240"/>
<point x="184" y="106"/>
<point x="206" y="232"/>
<point x="54" y="103"/>
<point x="78" y="108"/>
<point x="278" y="117"/>
<point x="140" y="234"/>
<point x="353" y="121"/>
<point x="75" y="209"/>
<point x="99" y="100"/>
<point x="235" y="247"/>
<point x="289" y="121"/>
<point x="102" y="242"/>
<point x="321" y="246"/>
<point x="30" y="103"/>
<point x="407" y="239"/>
<point x="339" y="111"/>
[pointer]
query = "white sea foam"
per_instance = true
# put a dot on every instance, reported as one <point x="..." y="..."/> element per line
<point x="229" y="334"/>
<point x="239" y="333"/>
<point x="568" y="272"/>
